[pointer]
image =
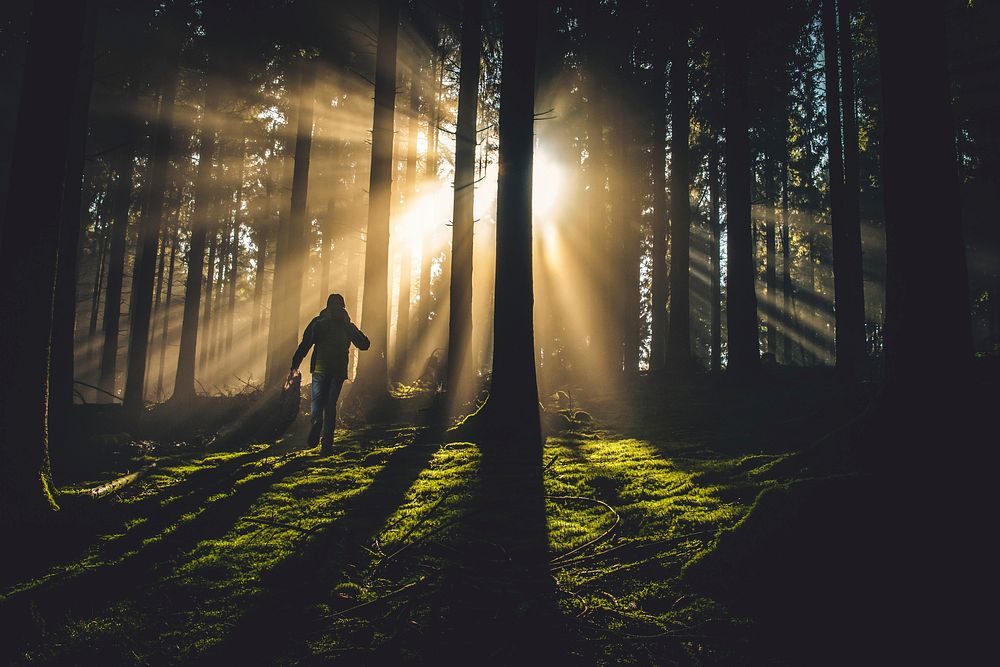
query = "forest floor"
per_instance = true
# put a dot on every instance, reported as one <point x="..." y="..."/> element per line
<point x="403" y="547"/>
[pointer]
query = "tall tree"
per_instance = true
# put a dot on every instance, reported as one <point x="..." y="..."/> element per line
<point x="460" y="320"/>
<point x="510" y="414"/>
<point x="149" y="233"/>
<point x="200" y="223"/>
<point x="406" y="267"/>
<point x="926" y="348"/>
<point x="28" y="250"/>
<point x="848" y="280"/>
<point x="64" y="309"/>
<point x="744" y="353"/>
<point x="373" y="371"/>
<point x="679" y="333"/>
<point x="658" y="270"/>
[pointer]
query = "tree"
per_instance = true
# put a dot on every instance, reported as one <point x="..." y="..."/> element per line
<point x="510" y="414"/>
<point x="28" y="250"/>
<point x="744" y="354"/>
<point x="460" y="320"/>
<point x="149" y="234"/>
<point x="373" y="371"/>
<point x="200" y="223"/>
<point x="848" y="281"/>
<point x="679" y="333"/>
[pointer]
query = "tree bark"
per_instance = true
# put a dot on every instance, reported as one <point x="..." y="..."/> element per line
<point x="512" y="406"/>
<point x="149" y="232"/>
<point x="716" y="260"/>
<point x="64" y="309"/>
<point x="744" y="353"/>
<point x="201" y="222"/>
<point x="28" y="251"/>
<point x="406" y="267"/>
<point x="373" y="371"/>
<point x="661" y="216"/>
<point x="460" y="319"/>
<point x="679" y="333"/>
<point x="848" y="285"/>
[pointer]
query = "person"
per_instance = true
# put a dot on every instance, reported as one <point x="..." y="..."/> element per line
<point x="331" y="334"/>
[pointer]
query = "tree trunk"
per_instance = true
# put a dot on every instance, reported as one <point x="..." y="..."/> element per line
<point x="716" y="260"/>
<point x="848" y="285"/>
<point x="165" y="315"/>
<point x="201" y="222"/>
<point x="679" y="333"/>
<point x="658" y="341"/>
<point x="406" y="268"/>
<point x="770" y="257"/>
<point x="149" y="232"/>
<point x="512" y="406"/>
<point x="64" y="313"/>
<point x="460" y="319"/>
<point x="116" y="267"/>
<point x="744" y="353"/>
<point x="373" y="371"/>
<point x="926" y="351"/>
<point x="847" y="230"/>
<point x="787" y="306"/>
<point x="28" y="251"/>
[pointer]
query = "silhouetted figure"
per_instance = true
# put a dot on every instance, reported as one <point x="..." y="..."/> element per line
<point x="331" y="332"/>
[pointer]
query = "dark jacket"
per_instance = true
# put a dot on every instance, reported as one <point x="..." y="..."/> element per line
<point x="332" y="333"/>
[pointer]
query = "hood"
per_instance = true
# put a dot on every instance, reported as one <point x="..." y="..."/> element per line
<point x="335" y="314"/>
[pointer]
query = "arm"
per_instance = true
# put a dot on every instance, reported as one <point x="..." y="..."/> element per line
<point x="303" y="349"/>
<point x="359" y="339"/>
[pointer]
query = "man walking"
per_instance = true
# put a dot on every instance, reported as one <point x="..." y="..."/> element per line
<point x="332" y="333"/>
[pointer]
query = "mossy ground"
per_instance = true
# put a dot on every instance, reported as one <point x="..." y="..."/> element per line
<point x="400" y="547"/>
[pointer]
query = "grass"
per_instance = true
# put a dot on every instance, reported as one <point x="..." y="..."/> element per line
<point x="283" y="556"/>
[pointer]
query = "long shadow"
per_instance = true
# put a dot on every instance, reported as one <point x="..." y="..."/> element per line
<point x="107" y="583"/>
<point x="498" y="602"/>
<point x="284" y="612"/>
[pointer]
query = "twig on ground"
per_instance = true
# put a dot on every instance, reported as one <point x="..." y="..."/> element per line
<point x="556" y="559"/>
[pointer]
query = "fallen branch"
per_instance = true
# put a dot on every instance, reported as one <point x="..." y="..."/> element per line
<point x="120" y="483"/>
<point x="388" y="595"/>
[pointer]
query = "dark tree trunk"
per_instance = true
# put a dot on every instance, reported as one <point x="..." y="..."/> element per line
<point x="149" y="232"/>
<point x="28" y="251"/>
<point x="848" y="286"/>
<point x="102" y="264"/>
<point x="512" y="406"/>
<point x="213" y="248"/>
<point x="234" y="259"/>
<point x="406" y="267"/>
<point x="679" y="333"/>
<point x="373" y="371"/>
<point x="165" y="315"/>
<point x="787" y="306"/>
<point x="658" y="326"/>
<point x="744" y="353"/>
<point x="716" y="263"/>
<point x="927" y="349"/>
<point x="201" y="222"/>
<point x="460" y="319"/>
<point x="850" y="265"/>
<point x="64" y="309"/>
<point x="770" y="252"/>
<point x="116" y="267"/>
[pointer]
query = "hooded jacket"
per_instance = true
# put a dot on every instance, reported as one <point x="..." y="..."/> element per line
<point x="331" y="333"/>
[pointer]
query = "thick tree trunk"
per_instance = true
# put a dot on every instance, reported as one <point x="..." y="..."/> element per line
<point x="848" y="286"/>
<point x="149" y="232"/>
<point x="28" y="251"/>
<point x="679" y="333"/>
<point x="460" y="319"/>
<point x="122" y="195"/>
<point x="373" y="371"/>
<point x="201" y="222"/>
<point x="512" y="406"/>
<point x="928" y="348"/>
<point x="744" y="353"/>
<point x="64" y="309"/>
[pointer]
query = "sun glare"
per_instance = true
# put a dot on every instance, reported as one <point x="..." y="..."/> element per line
<point x="546" y="188"/>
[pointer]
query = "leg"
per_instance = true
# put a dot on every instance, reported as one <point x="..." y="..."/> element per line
<point x="330" y="411"/>
<point x="320" y="390"/>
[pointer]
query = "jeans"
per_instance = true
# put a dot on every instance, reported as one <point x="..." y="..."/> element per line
<point x="325" y="394"/>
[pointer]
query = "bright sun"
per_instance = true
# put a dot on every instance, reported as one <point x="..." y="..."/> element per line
<point x="546" y="187"/>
